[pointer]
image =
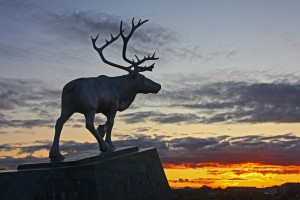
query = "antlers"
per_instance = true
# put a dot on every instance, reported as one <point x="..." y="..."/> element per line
<point x="133" y="64"/>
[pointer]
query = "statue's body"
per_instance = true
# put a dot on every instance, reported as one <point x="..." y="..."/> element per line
<point x="104" y="94"/>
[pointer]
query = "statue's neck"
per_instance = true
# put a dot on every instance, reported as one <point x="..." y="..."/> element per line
<point x="126" y="90"/>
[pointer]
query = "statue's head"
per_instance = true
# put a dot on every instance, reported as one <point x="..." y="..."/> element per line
<point x="144" y="85"/>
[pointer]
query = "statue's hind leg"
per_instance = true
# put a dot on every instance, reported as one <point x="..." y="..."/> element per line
<point x="54" y="151"/>
<point x="101" y="130"/>
<point x="109" y="125"/>
<point x="90" y="126"/>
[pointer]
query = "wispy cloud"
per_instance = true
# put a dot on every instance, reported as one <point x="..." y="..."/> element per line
<point x="71" y="29"/>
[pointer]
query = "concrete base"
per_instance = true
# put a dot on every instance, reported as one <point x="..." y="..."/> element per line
<point x="128" y="173"/>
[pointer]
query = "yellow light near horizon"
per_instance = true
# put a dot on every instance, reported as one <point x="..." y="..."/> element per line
<point x="221" y="175"/>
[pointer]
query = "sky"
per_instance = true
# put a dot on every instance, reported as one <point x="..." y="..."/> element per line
<point x="228" y="112"/>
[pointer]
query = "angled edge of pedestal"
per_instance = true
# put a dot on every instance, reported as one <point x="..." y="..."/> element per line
<point x="78" y="158"/>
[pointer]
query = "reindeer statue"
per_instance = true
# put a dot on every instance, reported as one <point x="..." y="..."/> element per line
<point x="103" y="94"/>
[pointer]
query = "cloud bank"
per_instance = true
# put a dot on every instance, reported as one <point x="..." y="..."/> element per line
<point x="229" y="101"/>
<point x="190" y="152"/>
<point x="193" y="103"/>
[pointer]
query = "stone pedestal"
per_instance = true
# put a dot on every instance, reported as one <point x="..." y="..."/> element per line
<point x="128" y="173"/>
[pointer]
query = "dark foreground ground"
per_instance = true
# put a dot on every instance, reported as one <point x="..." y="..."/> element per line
<point x="287" y="191"/>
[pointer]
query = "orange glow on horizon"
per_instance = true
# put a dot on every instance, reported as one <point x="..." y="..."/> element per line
<point x="227" y="175"/>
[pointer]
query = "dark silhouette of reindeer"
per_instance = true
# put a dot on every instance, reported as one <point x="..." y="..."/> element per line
<point x="104" y="94"/>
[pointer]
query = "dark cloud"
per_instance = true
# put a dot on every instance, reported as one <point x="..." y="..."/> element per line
<point x="225" y="149"/>
<point x="16" y="93"/>
<point x="27" y="123"/>
<point x="196" y="152"/>
<point x="145" y="129"/>
<point x="229" y="101"/>
<point x="137" y="117"/>
<point x="243" y="170"/>
<point x="6" y="147"/>
<point x="77" y="126"/>
<point x="159" y="117"/>
<point x="10" y="162"/>
<point x="260" y="102"/>
<point x="30" y="97"/>
<point x="266" y="171"/>
<point x="201" y="181"/>
<point x="282" y="150"/>
<point x="34" y="148"/>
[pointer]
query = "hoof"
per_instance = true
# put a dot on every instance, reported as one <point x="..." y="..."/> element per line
<point x="111" y="144"/>
<point x="108" y="148"/>
<point x="56" y="156"/>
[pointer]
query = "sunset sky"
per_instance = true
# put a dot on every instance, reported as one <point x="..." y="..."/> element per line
<point x="228" y="113"/>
